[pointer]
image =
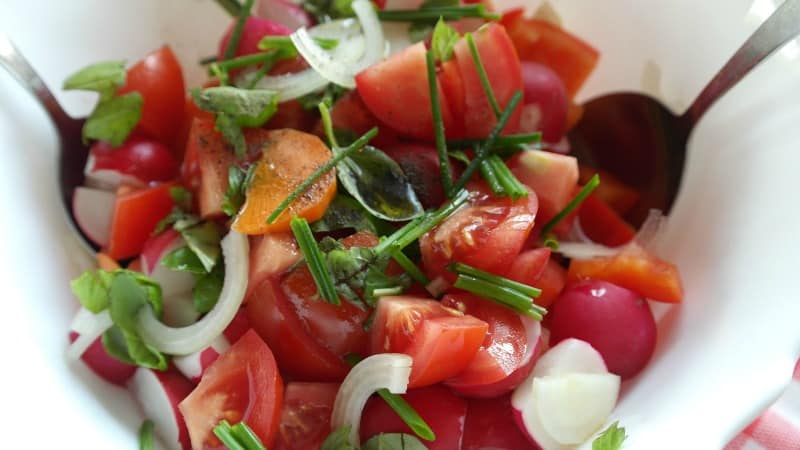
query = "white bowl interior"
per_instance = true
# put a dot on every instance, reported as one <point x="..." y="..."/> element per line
<point x="724" y="355"/>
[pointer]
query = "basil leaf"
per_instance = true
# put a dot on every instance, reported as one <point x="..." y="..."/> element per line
<point x="114" y="344"/>
<point x="337" y="440"/>
<point x="235" y="195"/>
<point x="443" y="41"/>
<point x="114" y="118"/>
<point x="181" y="197"/>
<point x="91" y="289"/>
<point x="129" y="348"/>
<point x="393" y="441"/>
<point x="203" y="239"/>
<point x="127" y="298"/>
<point x="379" y="184"/>
<point x="205" y="292"/>
<point x="103" y="77"/>
<point x="610" y="439"/>
<point x="232" y="132"/>
<point x="183" y="259"/>
<point x="344" y="213"/>
<point x="329" y="95"/>
<point x="419" y="31"/>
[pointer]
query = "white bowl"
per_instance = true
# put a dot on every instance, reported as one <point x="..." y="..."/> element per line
<point x="724" y="355"/>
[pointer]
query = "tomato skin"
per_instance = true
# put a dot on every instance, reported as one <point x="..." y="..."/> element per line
<point x="159" y="79"/>
<point x="142" y="158"/>
<point x="243" y="385"/>
<point x="440" y="340"/>
<point x="136" y="215"/>
<point x="486" y="233"/>
<point x="503" y="70"/>
<point x="546" y="274"/>
<point x="602" y="224"/>
<point x="443" y="411"/>
<point x="505" y="357"/>
<point x="351" y="114"/>
<point x="306" y="415"/>
<point x="545" y="43"/>
<point x="635" y="269"/>
<point x="488" y="425"/>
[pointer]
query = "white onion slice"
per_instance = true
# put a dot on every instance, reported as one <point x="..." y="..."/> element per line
<point x="375" y="41"/>
<point x="89" y="327"/>
<point x="651" y="233"/>
<point x="437" y="287"/>
<point x="649" y="237"/>
<point x="323" y="62"/>
<point x="384" y="370"/>
<point x="586" y="250"/>
<point x="186" y="340"/>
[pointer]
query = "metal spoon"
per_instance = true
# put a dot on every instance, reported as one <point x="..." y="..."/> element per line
<point x="639" y="140"/>
<point x="72" y="152"/>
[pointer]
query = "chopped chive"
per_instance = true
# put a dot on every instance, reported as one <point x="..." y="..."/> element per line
<point x="224" y="432"/>
<point x="327" y="124"/>
<point x="207" y="60"/>
<point x="245" y="436"/>
<point x="410" y="268"/>
<point x="382" y="292"/>
<point x="236" y="36"/>
<point x="232" y="6"/>
<point x="284" y="42"/>
<point x="483" y="151"/>
<point x="410" y="232"/>
<point x="258" y="75"/>
<point x="431" y="15"/>
<point x="438" y="124"/>
<point x="511" y="185"/>
<point x="222" y="75"/>
<point x="314" y="260"/>
<point x="502" y="142"/>
<point x="267" y="58"/>
<point x="489" y="175"/>
<point x="461" y="268"/>
<point x="339" y="155"/>
<point x="400" y="406"/>
<point x="487" y="87"/>
<point x="579" y="198"/>
<point x="146" y="435"/>
<point x="500" y="294"/>
<point x="551" y="242"/>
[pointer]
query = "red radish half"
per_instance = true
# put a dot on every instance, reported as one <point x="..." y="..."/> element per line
<point x="158" y="394"/>
<point x="567" y="398"/>
<point x="107" y="179"/>
<point x="284" y="12"/>
<point x="93" y="209"/>
<point x="194" y="365"/>
<point x="104" y="365"/>
<point x="154" y="251"/>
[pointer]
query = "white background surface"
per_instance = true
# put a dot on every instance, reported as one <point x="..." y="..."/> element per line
<point x="723" y="356"/>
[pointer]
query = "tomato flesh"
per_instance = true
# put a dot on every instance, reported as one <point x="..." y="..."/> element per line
<point x="243" y="385"/>
<point x="440" y="340"/>
<point x="306" y="415"/>
<point x="135" y="216"/>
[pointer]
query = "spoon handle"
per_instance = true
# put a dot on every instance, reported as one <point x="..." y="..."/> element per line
<point x="13" y="61"/>
<point x="779" y="28"/>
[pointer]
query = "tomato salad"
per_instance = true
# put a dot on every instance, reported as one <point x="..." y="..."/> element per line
<point x="365" y="229"/>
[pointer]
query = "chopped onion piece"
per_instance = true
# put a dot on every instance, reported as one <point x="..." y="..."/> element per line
<point x="384" y="370"/>
<point x="437" y="286"/>
<point x="582" y="250"/>
<point x="186" y="340"/>
<point x="323" y="62"/>
<point x="373" y="34"/>
<point x="89" y="327"/>
<point x="649" y="237"/>
<point x="651" y="232"/>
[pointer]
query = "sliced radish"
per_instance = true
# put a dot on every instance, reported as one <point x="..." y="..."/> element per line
<point x="107" y="179"/>
<point x="154" y="251"/>
<point x="284" y="12"/>
<point x="104" y="365"/>
<point x="567" y="398"/>
<point x="158" y="394"/>
<point x="194" y="365"/>
<point x="179" y="310"/>
<point x="93" y="209"/>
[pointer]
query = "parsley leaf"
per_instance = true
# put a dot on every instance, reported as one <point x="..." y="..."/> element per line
<point x="238" y="182"/>
<point x="113" y="119"/>
<point x="205" y="292"/>
<point x="443" y="41"/>
<point x="610" y="439"/>
<point x="103" y="77"/>
<point x="393" y="441"/>
<point x="183" y="259"/>
<point x="337" y="440"/>
<point x="204" y="240"/>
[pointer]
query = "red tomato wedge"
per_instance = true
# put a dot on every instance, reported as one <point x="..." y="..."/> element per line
<point x="635" y="269"/>
<point x="545" y="43"/>
<point x="443" y="411"/>
<point x="507" y="354"/>
<point x="306" y="415"/>
<point x="536" y="268"/>
<point x="504" y="72"/>
<point x="489" y="426"/>
<point x="440" y="340"/>
<point x="136" y="215"/>
<point x="243" y="385"/>
<point x="486" y="233"/>
<point x="159" y="78"/>
<point x="396" y="91"/>
<point x="349" y="113"/>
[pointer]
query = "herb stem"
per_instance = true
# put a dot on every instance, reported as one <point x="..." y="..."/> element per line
<point x="579" y="198"/>
<point x="224" y="432"/>
<point x="247" y="437"/>
<point x="267" y="58"/>
<point x="207" y="60"/>
<point x="236" y="36"/>
<point x="511" y="185"/>
<point x="410" y="268"/>
<point x="500" y="294"/>
<point x="314" y="260"/>
<point x="431" y="15"/>
<point x="146" y="435"/>
<point x="327" y="124"/>
<point x="438" y="124"/>
<point x="502" y="142"/>
<point x="233" y="7"/>
<point x="465" y="269"/>
<point x="489" y="175"/>
<point x="487" y="87"/>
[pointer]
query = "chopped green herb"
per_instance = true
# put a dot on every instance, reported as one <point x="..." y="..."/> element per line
<point x="487" y="87"/>
<point x="465" y="269"/>
<point x="181" y="197"/>
<point x="314" y="260"/>
<point x="103" y="77"/>
<point x="443" y="41"/>
<point x="432" y="14"/>
<point x="419" y="31"/>
<point x="146" y="435"/>
<point x="113" y="119"/>
<point x="231" y="6"/>
<point x="410" y="268"/>
<point x="610" y="439"/>
<point x="91" y="289"/>
<point x="338" y="440"/>
<point x="511" y="186"/>
<point x="222" y="69"/>
<point x="551" y="242"/>
<point x="207" y="288"/>
<point x="238" y="182"/>
<point x="236" y="36"/>
<point x="284" y="46"/>
<point x="393" y="441"/>
<point x="511" y="141"/>
<point x="184" y="259"/>
<point x="204" y="240"/>
<point x="438" y="125"/>
<point x="208" y="60"/>
<point x="345" y="213"/>
<point x="579" y="198"/>
<point x="489" y="175"/>
<point x="329" y="95"/>
<point x="509" y="293"/>
<point x="237" y="437"/>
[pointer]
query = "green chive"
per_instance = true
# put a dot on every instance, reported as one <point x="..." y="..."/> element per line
<point x="207" y="60"/>
<point x="500" y="294"/>
<point x="236" y="36"/>
<point x="314" y="260"/>
<point x="224" y="432"/>
<point x="489" y="175"/>
<point x="464" y="269"/>
<point x="327" y="124"/>
<point x="551" y="241"/>
<point x="510" y="141"/>
<point x="483" y="151"/>
<point x="438" y="124"/>
<point x="258" y="75"/>
<point x="410" y="268"/>
<point x="579" y="198"/>
<point x="232" y="6"/>
<point x="431" y="15"/>
<point x="267" y="58"/>
<point x="511" y="185"/>
<point x="487" y="87"/>
<point x="146" y="435"/>
<point x="382" y="292"/>
<point x="245" y="436"/>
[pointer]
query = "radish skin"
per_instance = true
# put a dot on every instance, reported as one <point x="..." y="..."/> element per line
<point x="158" y="394"/>
<point x="94" y="209"/>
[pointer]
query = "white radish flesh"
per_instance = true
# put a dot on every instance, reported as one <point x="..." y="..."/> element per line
<point x="570" y="356"/>
<point x="93" y="209"/>
<point x="193" y="366"/>
<point x="107" y="179"/>
<point x="172" y="282"/>
<point x="179" y="310"/>
<point x="158" y="394"/>
<point x="93" y="327"/>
